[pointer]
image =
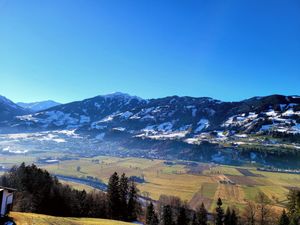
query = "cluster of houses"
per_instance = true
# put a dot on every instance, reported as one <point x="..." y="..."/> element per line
<point x="278" y="170"/>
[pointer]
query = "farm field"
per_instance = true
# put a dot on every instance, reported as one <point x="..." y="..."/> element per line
<point x="78" y="186"/>
<point x="235" y="185"/>
<point x="31" y="219"/>
<point x="195" y="184"/>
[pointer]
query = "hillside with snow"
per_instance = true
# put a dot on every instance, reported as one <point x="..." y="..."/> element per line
<point x="166" y="125"/>
<point x="169" y="117"/>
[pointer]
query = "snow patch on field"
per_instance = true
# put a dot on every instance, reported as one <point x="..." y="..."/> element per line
<point x="56" y="118"/>
<point x="271" y="112"/>
<point x="241" y="135"/>
<point x="41" y="136"/>
<point x="164" y="136"/>
<point x="148" y="117"/>
<point x="107" y="119"/>
<point x="14" y="151"/>
<point x="28" y="118"/>
<point x="202" y="124"/>
<point x="126" y="115"/>
<point x="119" y="128"/>
<point x="290" y="112"/>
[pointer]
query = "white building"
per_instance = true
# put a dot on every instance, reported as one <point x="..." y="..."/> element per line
<point x="6" y="200"/>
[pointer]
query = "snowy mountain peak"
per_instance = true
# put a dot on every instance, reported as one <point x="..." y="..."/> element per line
<point x="38" y="106"/>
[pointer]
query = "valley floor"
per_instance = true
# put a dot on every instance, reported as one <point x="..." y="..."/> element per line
<point x="192" y="182"/>
<point x="197" y="183"/>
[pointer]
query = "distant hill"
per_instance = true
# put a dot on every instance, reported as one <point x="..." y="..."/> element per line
<point x="38" y="106"/>
<point x="9" y="110"/>
<point x="31" y="218"/>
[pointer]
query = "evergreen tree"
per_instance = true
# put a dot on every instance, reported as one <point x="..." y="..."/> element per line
<point x="167" y="217"/>
<point x="39" y="192"/>
<point x="284" y="219"/>
<point x="113" y="196"/>
<point x="182" y="218"/>
<point x="151" y="217"/>
<point x="194" y="220"/>
<point x="202" y="215"/>
<point x="227" y="217"/>
<point x="133" y="204"/>
<point x="233" y="218"/>
<point x="154" y="220"/>
<point x="294" y="220"/>
<point x="294" y="206"/>
<point x="219" y="212"/>
<point x="149" y="213"/>
<point x="123" y="208"/>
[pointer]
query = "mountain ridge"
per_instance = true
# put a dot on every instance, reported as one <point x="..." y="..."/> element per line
<point x="183" y="127"/>
<point x="165" y="115"/>
<point x="38" y="106"/>
<point x="8" y="109"/>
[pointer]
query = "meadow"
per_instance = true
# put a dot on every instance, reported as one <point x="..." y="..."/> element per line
<point x="192" y="183"/>
<point x="31" y="219"/>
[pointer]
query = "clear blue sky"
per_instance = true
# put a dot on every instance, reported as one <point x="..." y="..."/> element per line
<point x="69" y="50"/>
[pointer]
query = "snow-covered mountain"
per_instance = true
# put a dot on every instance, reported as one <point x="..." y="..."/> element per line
<point x="185" y="127"/>
<point x="81" y="113"/>
<point x="169" y="117"/>
<point x="38" y="106"/>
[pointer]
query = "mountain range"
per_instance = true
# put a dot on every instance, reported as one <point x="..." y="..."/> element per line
<point x="270" y="121"/>
<point x="158" y="118"/>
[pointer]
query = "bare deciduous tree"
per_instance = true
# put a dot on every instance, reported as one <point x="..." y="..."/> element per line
<point x="250" y="213"/>
<point x="263" y="209"/>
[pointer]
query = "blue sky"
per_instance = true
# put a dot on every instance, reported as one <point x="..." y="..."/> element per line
<point x="69" y="50"/>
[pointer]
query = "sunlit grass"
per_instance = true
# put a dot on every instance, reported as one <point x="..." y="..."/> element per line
<point x="32" y="219"/>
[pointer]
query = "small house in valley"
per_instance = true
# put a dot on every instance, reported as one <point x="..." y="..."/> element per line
<point x="6" y="200"/>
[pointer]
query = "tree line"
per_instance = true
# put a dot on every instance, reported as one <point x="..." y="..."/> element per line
<point x="39" y="192"/>
<point x="172" y="211"/>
